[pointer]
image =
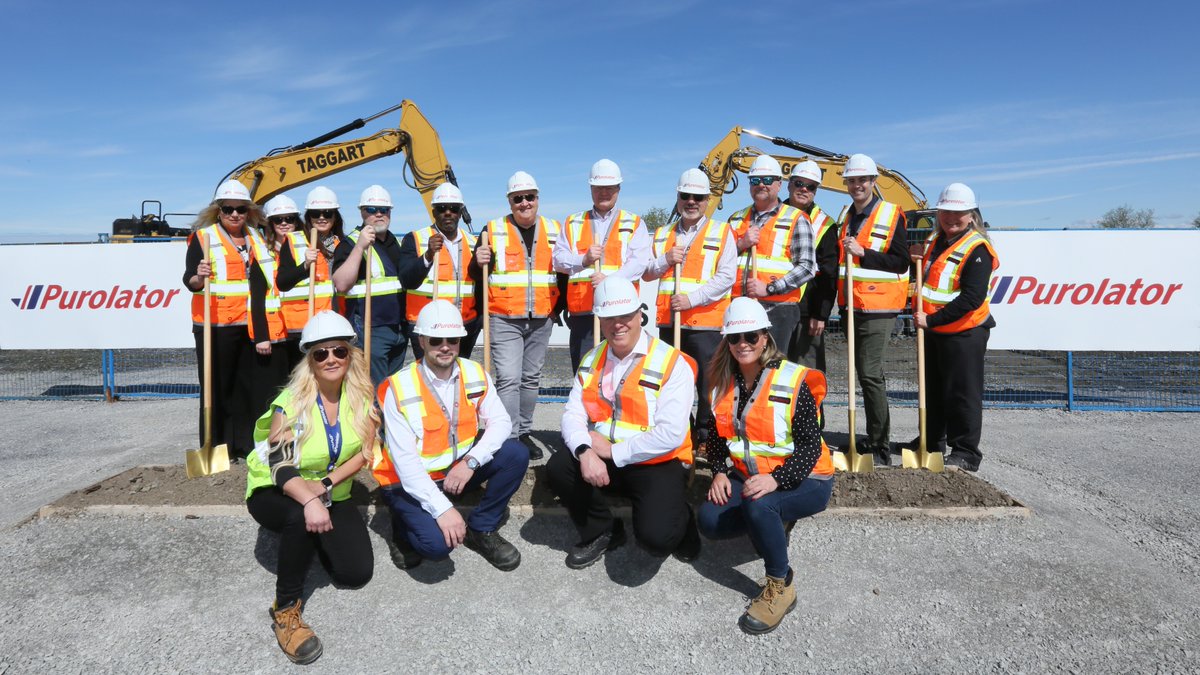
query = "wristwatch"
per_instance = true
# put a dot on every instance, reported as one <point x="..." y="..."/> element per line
<point x="327" y="482"/>
<point x="472" y="463"/>
<point x="583" y="447"/>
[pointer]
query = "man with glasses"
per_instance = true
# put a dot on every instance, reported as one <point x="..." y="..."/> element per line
<point x="523" y="293"/>
<point x="389" y="341"/>
<point x="614" y="238"/>
<point x="447" y="433"/>
<point x="808" y="344"/>
<point x="625" y="425"/>
<point x="705" y="253"/>
<point x="780" y="242"/>
<point x="441" y="251"/>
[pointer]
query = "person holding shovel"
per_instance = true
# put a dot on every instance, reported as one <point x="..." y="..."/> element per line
<point x="308" y="446"/>
<point x="305" y="280"/>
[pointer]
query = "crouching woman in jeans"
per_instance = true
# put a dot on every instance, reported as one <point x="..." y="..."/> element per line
<point x="309" y="445"/>
<point x="765" y="422"/>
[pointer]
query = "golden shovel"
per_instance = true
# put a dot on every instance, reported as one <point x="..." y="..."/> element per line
<point x="207" y="460"/>
<point x="850" y="460"/>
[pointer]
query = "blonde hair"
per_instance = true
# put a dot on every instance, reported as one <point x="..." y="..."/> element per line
<point x="722" y="367"/>
<point x="357" y="393"/>
<point x="211" y="214"/>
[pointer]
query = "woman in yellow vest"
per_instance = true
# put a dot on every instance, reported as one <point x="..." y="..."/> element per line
<point x="308" y="446"/>
<point x="779" y="470"/>
<point x="958" y="259"/>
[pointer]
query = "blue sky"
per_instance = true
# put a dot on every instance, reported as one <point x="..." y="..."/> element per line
<point x="1054" y="112"/>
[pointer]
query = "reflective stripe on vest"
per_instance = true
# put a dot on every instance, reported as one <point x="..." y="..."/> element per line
<point x="874" y="290"/>
<point x="820" y="223"/>
<point x="578" y="231"/>
<point x="295" y="301"/>
<point x="760" y="439"/>
<point x="264" y="257"/>
<point x="453" y="284"/>
<point x="228" y="284"/>
<point x="699" y="267"/>
<point x="381" y="283"/>
<point x="444" y="434"/>
<point x="943" y="278"/>
<point x="518" y="286"/>
<point x="774" y="255"/>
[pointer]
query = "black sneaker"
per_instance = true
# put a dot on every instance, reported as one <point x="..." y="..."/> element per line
<point x="883" y="455"/>
<point x="689" y="549"/>
<point x="404" y="556"/>
<point x="535" y="451"/>
<point x="962" y="461"/>
<point x="585" y="554"/>
<point x="494" y="548"/>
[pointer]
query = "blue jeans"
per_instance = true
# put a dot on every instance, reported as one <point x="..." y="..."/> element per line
<point x="764" y="518"/>
<point x="388" y="346"/>
<point x="503" y="476"/>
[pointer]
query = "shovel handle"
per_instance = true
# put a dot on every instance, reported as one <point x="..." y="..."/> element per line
<point x="367" y="305"/>
<point x="595" y="318"/>
<point x="487" y="316"/>
<point x="678" y="315"/>
<point x="312" y="275"/>
<point x="850" y="345"/>
<point x="922" y="446"/>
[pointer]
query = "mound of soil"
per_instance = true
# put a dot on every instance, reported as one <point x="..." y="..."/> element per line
<point x="888" y="488"/>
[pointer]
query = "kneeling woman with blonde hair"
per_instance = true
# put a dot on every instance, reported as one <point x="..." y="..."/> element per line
<point x="316" y="436"/>
<point x="765" y="422"/>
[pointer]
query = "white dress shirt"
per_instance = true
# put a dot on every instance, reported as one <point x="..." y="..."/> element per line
<point x="404" y="442"/>
<point x="451" y="246"/>
<point x="568" y="261"/>
<point x="722" y="280"/>
<point x="669" y="427"/>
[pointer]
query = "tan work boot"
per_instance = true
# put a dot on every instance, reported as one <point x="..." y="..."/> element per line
<point x="296" y="639"/>
<point x="778" y="597"/>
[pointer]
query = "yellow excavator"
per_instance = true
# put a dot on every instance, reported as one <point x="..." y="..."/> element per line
<point x="425" y="163"/>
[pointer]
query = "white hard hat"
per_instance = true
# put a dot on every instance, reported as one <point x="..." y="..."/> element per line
<point x="744" y="315"/>
<point x="693" y="182"/>
<point x="766" y="165"/>
<point x="440" y="318"/>
<point x="615" y="296"/>
<point x="860" y="165"/>
<point x="807" y="169"/>
<point x="320" y="198"/>
<point x="375" y="196"/>
<point x="232" y="189"/>
<point x="520" y="182"/>
<point x="326" y="325"/>
<point x="605" y="172"/>
<point x="279" y="205"/>
<point x="957" y="197"/>
<point x="447" y="193"/>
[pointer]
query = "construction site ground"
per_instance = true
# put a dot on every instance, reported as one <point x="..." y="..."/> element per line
<point x="1098" y="575"/>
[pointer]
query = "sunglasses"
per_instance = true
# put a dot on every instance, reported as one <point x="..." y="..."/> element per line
<point x="752" y="338"/>
<point x="327" y="214"/>
<point x="381" y="210"/>
<point x="289" y="219"/>
<point x="437" y="342"/>
<point x="321" y="353"/>
<point x="517" y="199"/>
<point x="801" y="185"/>
<point x="763" y="180"/>
<point x="230" y="210"/>
<point x="443" y="208"/>
<point x="688" y="197"/>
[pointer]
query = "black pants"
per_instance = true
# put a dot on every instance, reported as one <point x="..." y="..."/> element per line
<point x="582" y="337"/>
<point x="345" y="550"/>
<point x="232" y="359"/>
<point x="660" y="511"/>
<point x="785" y="320"/>
<point x="466" y="345"/>
<point x="701" y="345"/>
<point x="805" y="349"/>
<point x="954" y="390"/>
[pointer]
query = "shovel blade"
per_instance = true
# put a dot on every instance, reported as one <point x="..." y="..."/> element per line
<point x="933" y="462"/>
<point x="910" y="458"/>
<point x="864" y="463"/>
<point x="840" y="463"/>
<point x="218" y="459"/>
<point x="197" y="462"/>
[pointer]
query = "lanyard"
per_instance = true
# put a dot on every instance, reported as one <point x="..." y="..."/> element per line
<point x="333" y="433"/>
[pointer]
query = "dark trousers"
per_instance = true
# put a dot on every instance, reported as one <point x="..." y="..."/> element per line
<point x="954" y="390"/>
<point x="233" y="357"/>
<point x="660" y="511"/>
<point x="764" y="518"/>
<point x="388" y="347"/>
<point x="701" y="345"/>
<point x="267" y="376"/>
<point x="466" y="345"/>
<point x="805" y="349"/>
<point x="345" y="550"/>
<point x="785" y="321"/>
<point x="503" y="476"/>
<point x="582" y="338"/>
<point x="870" y="346"/>
<point x="294" y="355"/>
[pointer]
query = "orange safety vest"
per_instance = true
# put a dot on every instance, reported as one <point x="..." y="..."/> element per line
<point x="578" y="231"/>
<point x="453" y="283"/>
<point x="699" y="266"/>
<point x="229" y="285"/>
<point x="760" y="439"/>
<point x="774" y="250"/>
<point x="632" y="413"/>
<point x="820" y="222"/>
<point x="519" y="286"/>
<point x="942" y="277"/>
<point x="264" y="257"/>
<point x="295" y="301"/>
<point x="444" y="434"/>
<point x="875" y="291"/>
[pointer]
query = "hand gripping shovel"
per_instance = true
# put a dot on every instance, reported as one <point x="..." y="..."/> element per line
<point x="851" y="460"/>
<point x="207" y="460"/>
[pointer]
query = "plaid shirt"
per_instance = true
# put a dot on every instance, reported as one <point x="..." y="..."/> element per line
<point x="803" y="255"/>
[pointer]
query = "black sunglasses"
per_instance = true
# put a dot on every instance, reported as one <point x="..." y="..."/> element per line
<point x="799" y="184"/>
<point x="517" y="199"/>
<point x="321" y="353"/>
<point x="230" y="210"/>
<point x="689" y="197"/>
<point x="763" y="180"/>
<point x="382" y="210"/>
<point x="327" y="214"/>
<point x="289" y="219"/>
<point x="752" y="338"/>
<point x="437" y="342"/>
<point x="442" y="208"/>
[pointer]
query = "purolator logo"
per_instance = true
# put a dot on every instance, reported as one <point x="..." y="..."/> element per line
<point x="53" y="296"/>
<point x="1106" y="292"/>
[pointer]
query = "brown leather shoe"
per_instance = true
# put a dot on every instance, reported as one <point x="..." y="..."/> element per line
<point x="298" y="642"/>
<point x="778" y="597"/>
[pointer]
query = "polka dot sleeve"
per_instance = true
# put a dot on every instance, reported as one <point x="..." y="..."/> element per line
<point x="806" y="442"/>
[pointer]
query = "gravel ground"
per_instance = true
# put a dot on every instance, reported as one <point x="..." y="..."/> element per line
<point x="1103" y="577"/>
